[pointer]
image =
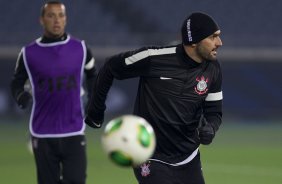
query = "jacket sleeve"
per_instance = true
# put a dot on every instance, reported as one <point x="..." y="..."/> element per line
<point x="213" y="102"/>
<point x="19" y="79"/>
<point x="122" y="66"/>
<point x="90" y="72"/>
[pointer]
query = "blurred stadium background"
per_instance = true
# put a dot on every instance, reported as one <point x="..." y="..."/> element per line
<point x="247" y="149"/>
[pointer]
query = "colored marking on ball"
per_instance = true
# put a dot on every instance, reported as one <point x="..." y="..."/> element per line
<point x="113" y="126"/>
<point x="121" y="158"/>
<point x="144" y="136"/>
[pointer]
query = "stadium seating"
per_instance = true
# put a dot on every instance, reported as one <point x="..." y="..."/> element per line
<point x="131" y="22"/>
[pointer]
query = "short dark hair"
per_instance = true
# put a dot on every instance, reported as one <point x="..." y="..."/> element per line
<point x="42" y="12"/>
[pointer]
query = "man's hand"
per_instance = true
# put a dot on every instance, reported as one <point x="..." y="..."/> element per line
<point x="206" y="132"/>
<point x="90" y="122"/>
<point x="24" y="99"/>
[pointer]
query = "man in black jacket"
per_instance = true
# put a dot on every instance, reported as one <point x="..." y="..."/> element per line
<point x="179" y="93"/>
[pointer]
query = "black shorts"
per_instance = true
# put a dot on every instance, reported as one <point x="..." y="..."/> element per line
<point x="154" y="172"/>
<point x="60" y="160"/>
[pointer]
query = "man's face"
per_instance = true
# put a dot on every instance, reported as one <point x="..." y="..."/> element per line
<point x="54" y="20"/>
<point x="206" y="49"/>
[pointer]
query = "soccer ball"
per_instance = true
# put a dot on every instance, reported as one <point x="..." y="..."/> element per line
<point x="128" y="140"/>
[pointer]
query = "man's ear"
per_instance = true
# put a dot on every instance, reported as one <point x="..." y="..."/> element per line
<point x="66" y="20"/>
<point x="41" y="21"/>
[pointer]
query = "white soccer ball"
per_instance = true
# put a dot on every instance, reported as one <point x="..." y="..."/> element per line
<point x="129" y="140"/>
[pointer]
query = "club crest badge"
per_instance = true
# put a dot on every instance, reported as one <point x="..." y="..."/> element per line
<point x="202" y="86"/>
<point x="145" y="170"/>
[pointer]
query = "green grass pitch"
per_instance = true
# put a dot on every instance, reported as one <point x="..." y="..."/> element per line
<point x="245" y="154"/>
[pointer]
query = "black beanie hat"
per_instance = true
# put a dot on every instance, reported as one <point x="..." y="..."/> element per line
<point x="197" y="27"/>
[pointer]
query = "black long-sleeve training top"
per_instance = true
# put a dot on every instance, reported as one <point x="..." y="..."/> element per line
<point x="173" y="92"/>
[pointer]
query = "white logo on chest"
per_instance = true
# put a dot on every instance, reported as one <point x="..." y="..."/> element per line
<point x="202" y="86"/>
